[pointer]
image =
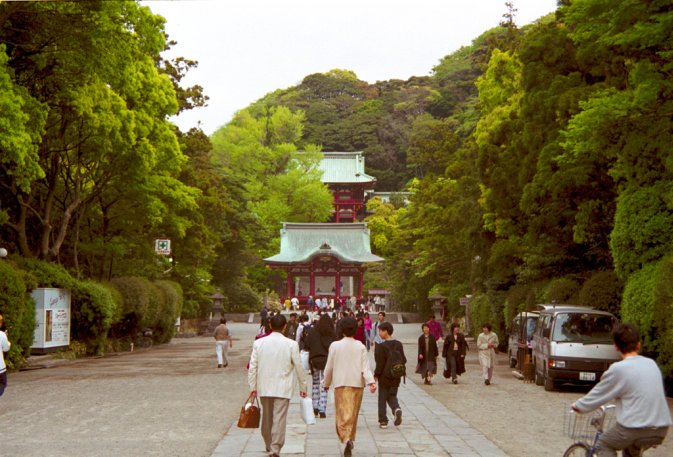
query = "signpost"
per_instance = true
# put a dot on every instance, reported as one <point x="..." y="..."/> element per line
<point x="162" y="247"/>
<point x="465" y="301"/>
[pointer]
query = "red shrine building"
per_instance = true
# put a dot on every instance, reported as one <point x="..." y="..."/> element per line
<point x="344" y="174"/>
<point x="328" y="260"/>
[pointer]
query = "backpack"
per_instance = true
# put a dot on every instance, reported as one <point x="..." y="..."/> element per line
<point x="304" y="334"/>
<point x="395" y="367"/>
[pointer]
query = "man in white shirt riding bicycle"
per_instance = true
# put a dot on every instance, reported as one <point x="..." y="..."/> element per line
<point x="636" y="386"/>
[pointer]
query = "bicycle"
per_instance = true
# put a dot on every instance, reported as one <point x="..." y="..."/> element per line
<point x="579" y="427"/>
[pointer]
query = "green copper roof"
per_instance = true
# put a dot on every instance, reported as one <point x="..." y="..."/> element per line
<point x="300" y="242"/>
<point x="344" y="167"/>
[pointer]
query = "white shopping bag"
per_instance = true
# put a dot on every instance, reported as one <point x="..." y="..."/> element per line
<point x="306" y="406"/>
<point x="304" y="360"/>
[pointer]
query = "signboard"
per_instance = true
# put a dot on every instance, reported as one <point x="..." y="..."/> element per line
<point x="52" y="313"/>
<point x="464" y="301"/>
<point x="162" y="247"/>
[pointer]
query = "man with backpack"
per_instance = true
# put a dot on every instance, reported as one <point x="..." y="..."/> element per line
<point x="390" y="368"/>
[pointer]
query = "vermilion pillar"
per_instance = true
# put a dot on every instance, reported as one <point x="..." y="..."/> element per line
<point x="289" y="285"/>
<point x="360" y="291"/>
<point x="312" y="284"/>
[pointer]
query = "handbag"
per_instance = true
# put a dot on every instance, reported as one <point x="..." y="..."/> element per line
<point x="250" y="413"/>
<point x="306" y="407"/>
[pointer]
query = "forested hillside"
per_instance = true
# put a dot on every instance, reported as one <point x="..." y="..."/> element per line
<point x="540" y="164"/>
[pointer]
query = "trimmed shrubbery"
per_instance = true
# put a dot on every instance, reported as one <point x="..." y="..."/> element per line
<point x="148" y="305"/>
<point x="648" y="303"/>
<point x="603" y="291"/>
<point x="18" y="310"/>
<point x="561" y="290"/>
<point x="119" y="309"/>
<point x="94" y="309"/>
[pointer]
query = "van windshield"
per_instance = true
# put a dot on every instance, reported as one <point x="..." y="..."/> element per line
<point x="530" y="327"/>
<point x="583" y="328"/>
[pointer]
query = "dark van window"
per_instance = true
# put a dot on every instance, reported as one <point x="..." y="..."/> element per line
<point x="583" y="328"/>
<point x="530" y="327"/>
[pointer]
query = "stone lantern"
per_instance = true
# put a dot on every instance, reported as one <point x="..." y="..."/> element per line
<point x="437" y="300"/>
<point x="218" y="308"/>
<point x="216" y="313"/>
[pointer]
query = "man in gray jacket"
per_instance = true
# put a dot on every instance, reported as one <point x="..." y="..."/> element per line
<point x="636" y="386"/>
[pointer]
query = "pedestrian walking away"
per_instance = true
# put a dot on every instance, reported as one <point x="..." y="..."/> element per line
<point x="487" y="343"/>
<point x="635" y="385"/>
<point x="368" y="331"/>
<point x="318" y="341"/>
<point x="380" y="318"/>
<point x="454" y="351"/>
<point x="387" y="355"/>
<point x="223" y="343"/>
<point x="347" y="371"/>
<point x="273" y="361"/>
<point x="360" y="332"/>
<point x="436" y="329"/>
<point x="4" y="347"/>
<point x="427" y="355"/>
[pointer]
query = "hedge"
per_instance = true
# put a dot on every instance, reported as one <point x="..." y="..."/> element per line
<point x="561" y="290"/>
<point x="486" y="309"/>
<point x="648" y="303"/>
<point x="95" y="308"/>
<point x="172" y="295"/>
<point x="147" y="305"/>
<point x="18" y="310"/>
<point x="603" y="290"/>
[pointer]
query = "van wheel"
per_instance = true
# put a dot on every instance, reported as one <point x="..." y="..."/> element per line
<point x="548" y="383"/>
<point x="512" y="362"/>
<point x="538" y="377"/>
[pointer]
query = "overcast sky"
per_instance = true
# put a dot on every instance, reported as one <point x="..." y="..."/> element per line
<point x="247" y="48"/>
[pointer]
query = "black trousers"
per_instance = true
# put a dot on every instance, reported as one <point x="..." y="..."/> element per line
<point x="3" y="382"/>
<point x="387" y="395"/>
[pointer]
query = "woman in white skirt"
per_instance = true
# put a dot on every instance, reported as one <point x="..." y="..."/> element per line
<point x="487" y="343"/>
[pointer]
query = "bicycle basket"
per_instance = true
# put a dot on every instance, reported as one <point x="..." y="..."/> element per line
<point x="582" y="427"/>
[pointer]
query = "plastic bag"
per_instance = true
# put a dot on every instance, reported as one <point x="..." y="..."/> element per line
<point x="304" y="360"/>
<point x="306" y="407"/>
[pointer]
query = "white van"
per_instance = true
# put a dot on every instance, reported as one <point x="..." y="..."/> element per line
<point x="521" y="334"/>
<point x="572" y="344"/>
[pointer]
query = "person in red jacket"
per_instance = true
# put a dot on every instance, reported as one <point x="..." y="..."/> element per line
<point x="436" y="329"/>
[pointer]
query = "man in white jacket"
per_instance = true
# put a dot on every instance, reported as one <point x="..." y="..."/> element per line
<point x="274" y="362"/>
<point x="4" y="347"/>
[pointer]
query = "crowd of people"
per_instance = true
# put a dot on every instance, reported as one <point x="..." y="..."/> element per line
<point x="332" y="347"/>
<point x="335" y="347"/>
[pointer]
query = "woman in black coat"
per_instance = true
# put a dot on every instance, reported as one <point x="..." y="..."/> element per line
<point x="427" y="355"/>
<point x="317" y="343"/>
<point x="454" y="351"/>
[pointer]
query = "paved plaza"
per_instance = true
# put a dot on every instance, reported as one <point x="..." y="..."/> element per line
<point x="173" y="401"/>
<point x="428" y="429"/>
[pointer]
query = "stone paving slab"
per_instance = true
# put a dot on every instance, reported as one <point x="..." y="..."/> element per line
<point x="428" y="429"/>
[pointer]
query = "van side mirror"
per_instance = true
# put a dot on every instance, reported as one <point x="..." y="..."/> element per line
<point x="546" y="332"/>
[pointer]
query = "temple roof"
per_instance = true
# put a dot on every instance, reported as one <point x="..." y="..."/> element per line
<point x="300" y="242"/>
<point x="344" y="167"/>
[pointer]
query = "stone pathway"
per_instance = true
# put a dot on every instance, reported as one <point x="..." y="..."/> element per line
<point x="428" y="429"/>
